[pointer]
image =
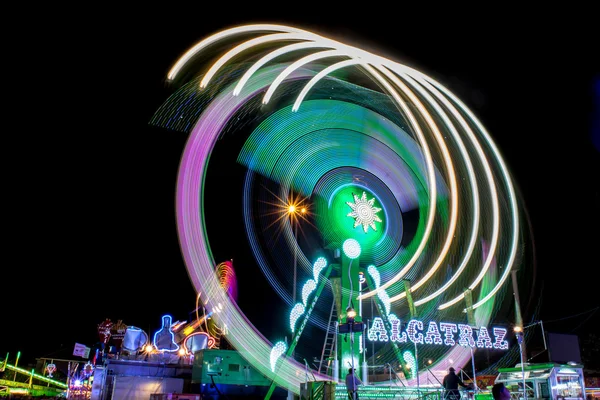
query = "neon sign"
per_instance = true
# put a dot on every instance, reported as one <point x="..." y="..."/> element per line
<point x="50" y="368"/>
<point x="164" y="339"/>
<point x="415" y="332"/>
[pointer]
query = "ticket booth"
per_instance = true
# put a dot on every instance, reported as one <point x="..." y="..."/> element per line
<point x="549" y="381"/>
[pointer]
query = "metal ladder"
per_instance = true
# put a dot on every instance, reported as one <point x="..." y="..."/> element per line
<point x="329" y="344"/>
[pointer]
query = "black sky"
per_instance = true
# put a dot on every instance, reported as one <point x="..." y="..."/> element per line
<point x="91" y="186"/>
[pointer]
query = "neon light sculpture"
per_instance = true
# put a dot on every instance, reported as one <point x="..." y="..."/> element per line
<point x="198" y="341"/>
<point x="88" y="369"/>
<point x="403" y="145"/>
<point x="276" y="352"/>
<point x="135" y="339"/>
<point x="410" y="360"/>
<point x="164" y="339"/>
<point x="363" y="212"/>
<point x="351" y="248"/>
<point x="50" y="368"/>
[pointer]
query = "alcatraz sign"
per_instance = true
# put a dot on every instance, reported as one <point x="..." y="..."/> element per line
<point x="467" y="335"/>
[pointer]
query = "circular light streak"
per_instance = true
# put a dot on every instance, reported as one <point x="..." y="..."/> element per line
<point x="418" y="150"/>
<point x="351" y="248"/>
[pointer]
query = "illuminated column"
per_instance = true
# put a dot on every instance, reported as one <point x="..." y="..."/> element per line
<point x="471" y="322"/>
<point x="295" y="263"/>
<point x="295" y="211"/>
<point x="361" y="280"/>
<point x="16" y="365"/>
<point x="365" y="369"/>
<point x="68" y="379"/>
<point x="469" y="307"/>
<point x="409" y="299"/>
<point x="518" y="317"/>
<point x="521" y="339"/>
<point x="413" y="314"/>
<point x="365" y="366"/>
<point x="349" y="356"/>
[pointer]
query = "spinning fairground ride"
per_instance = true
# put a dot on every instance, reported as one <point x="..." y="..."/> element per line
<point x="369" y="197"/>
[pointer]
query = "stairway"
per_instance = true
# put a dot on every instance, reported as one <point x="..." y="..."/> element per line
<point x="329" y="344"/>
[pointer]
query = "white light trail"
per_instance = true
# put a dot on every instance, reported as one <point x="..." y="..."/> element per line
<point x="271" y="56"/>
<point x="245" y="46"/>
<point x="295" y="65"/>
<point x="222" y="35"/>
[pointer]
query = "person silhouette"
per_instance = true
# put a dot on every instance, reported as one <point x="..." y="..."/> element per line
<point x="500" y="392"/>
<point x="450" y="383"/>
<point x="352" y="383"/>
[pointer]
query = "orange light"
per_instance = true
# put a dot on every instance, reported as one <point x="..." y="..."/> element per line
<point x="351" y="313"/>
<point x="291" y="209"/>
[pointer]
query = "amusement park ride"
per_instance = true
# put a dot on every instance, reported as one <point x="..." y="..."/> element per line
<point x="410" y="221"/>
<point x="409" y="218"/>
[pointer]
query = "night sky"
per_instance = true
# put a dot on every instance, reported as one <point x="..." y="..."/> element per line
<point x="91" y="186"/>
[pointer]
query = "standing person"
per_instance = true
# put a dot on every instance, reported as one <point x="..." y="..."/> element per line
<point x="352" y="383"/>
<point x="450" y="383"/>
<point x="500" y="392"/>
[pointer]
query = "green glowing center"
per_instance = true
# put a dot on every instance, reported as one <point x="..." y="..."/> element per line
<point x="364" y="212"/>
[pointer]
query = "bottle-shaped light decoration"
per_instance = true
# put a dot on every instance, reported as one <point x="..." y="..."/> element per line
<point x="164" y="339"/>
<point x="50" y="368"/>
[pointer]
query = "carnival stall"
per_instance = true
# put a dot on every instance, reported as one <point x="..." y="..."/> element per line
<point x="544" y="381"/>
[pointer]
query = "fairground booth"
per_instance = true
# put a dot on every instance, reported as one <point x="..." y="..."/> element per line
<point x="545" y="381"/>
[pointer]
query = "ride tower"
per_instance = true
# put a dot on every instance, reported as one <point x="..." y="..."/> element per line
<point x="351" y="327"/>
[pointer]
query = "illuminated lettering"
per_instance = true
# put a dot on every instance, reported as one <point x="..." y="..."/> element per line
<point x="483" y="338"/>
<point x="411" y="331"/>
<point x="465" y="336"/>
<point x="449" y="330"/>
<point x="415" y="333"/>
<point x="433" y="334"/>
<point x="377" y="331"/>
<point x="500" y="343"/>
<point x="395" y="332"/>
